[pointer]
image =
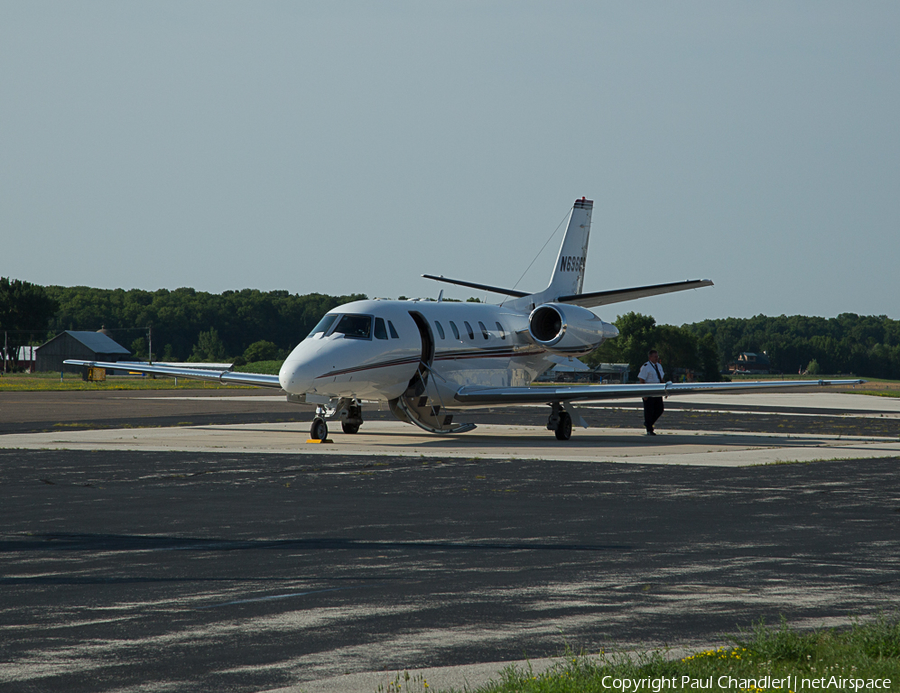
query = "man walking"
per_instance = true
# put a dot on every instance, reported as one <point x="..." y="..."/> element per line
<point x="652" y="372"/>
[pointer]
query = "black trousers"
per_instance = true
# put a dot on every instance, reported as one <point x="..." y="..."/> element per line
<point x="653" y="409"/>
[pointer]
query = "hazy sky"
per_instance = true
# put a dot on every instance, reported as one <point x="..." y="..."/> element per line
<point x="343" y="147"/>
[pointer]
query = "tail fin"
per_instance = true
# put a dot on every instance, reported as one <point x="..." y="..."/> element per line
<point x="568" y="274"/>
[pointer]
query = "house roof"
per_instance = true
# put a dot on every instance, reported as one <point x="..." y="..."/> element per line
<point x="97" y="342"/>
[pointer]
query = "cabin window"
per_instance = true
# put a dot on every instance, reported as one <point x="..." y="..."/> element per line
<point x="501" y="331"/>
<point x="455" y="329"/>
<point x="469" y="329"/>
<point x="324" y="324"/>
<point x="484" y="331"/>
<point x="380" y="331"/>
<point x="354" y="326"/>
<point x="394" y="334"/>
<point x="439" y="328"/>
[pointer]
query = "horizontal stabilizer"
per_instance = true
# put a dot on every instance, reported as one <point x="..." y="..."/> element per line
<point x="483" y="287"/>
<point x="602" y="298"/>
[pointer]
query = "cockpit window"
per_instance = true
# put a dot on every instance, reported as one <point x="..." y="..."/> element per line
<point x="380" y="331"/>
<point x="394" y="334"/>
<point x="354" y="326"/>
<point x="324" y="324"/>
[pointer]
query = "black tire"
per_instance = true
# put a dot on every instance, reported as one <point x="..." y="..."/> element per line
<point x="564" y="427"/>
<point x="350" y="427"/>
<point x="319" y="429"/>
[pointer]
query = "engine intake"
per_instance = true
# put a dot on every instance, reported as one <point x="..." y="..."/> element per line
<point x="568" y="329"/>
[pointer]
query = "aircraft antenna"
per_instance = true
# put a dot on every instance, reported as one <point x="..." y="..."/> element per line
<point x="561" y="222"/>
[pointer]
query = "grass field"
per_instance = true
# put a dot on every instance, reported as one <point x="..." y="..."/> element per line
<point x="765" y="659"/>
<point x="38" y="382"/>
<point x="44" y="382"/>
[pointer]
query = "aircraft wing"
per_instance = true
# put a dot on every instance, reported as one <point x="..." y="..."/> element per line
<point x="602" y="298"/>
<point x="476" y="395"/>
<point x="228" y="377"/>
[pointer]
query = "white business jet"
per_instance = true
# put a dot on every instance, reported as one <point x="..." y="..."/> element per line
<point x="429" y="360"/>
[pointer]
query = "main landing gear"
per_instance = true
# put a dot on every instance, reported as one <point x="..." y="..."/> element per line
<point x="351" y="416"/>
<point x="560" y="422"/>
<point x="349" y="411"/>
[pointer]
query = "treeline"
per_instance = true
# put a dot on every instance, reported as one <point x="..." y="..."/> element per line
<point x="680" y="349"/>
<point x="251" y="324"/>
<point x="867" y="346"/>
<point x="24" y="308"/>
<point x="187" y="323"/>
<point x="864" y="345"/>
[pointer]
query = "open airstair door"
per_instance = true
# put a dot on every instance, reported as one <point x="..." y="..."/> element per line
<point x="421" y="403"/>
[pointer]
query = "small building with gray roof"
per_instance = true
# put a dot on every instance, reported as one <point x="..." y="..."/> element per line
<point x="72" y="344"/>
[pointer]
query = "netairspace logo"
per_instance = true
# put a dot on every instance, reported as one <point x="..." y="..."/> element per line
<point x="790" y="684"/>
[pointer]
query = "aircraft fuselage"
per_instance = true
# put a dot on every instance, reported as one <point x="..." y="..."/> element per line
<point x="461" y="343"/>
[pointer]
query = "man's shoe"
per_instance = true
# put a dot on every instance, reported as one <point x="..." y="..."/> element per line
<point x="650" y="432"/>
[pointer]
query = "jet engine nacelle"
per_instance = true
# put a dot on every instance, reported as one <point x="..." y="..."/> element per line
<point x="568" y="329"/>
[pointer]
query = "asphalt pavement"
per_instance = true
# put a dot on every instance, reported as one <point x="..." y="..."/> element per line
<point x="145" y="571"/>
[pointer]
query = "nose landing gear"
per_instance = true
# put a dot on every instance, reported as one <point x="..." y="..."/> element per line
<point x="319" y="429"/>
<point x="349" y="411"/>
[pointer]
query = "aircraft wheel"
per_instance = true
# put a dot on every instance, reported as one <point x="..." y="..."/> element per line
<point x="350" y="427"/>
<point x="564" y="427"/>
<point x="319" y="429"/>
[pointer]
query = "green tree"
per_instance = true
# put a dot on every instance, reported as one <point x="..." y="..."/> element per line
<point x="637" y="335"/>
<point x="139" y="348"/>
<point x="849" y="343"/>
<point x="240" y="317"/>
<point x="208" y="347"/>
<point x="262" y="351"/>
<point x="24" y="306"/>
<point x="709" y="359"/>
<point x="678" y="347"/>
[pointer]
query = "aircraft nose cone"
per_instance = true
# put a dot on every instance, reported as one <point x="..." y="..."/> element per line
<point x="299" y="371"/>
<point x="287" y="376"/>
<point x="296" y="377"/>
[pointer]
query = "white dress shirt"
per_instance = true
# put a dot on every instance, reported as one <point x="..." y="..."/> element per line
<point x="648" y="373"/>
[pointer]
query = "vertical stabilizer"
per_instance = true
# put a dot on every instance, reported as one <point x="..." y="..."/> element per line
<point x="568" y="273"/>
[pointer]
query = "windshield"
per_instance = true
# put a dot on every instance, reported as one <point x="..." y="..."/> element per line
<point x="323" y="324"/>
<point x="355" y="326"/>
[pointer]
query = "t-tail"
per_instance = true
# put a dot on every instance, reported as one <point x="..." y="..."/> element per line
<point x="568" y="272"/>
<point x="567" y="279"/>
